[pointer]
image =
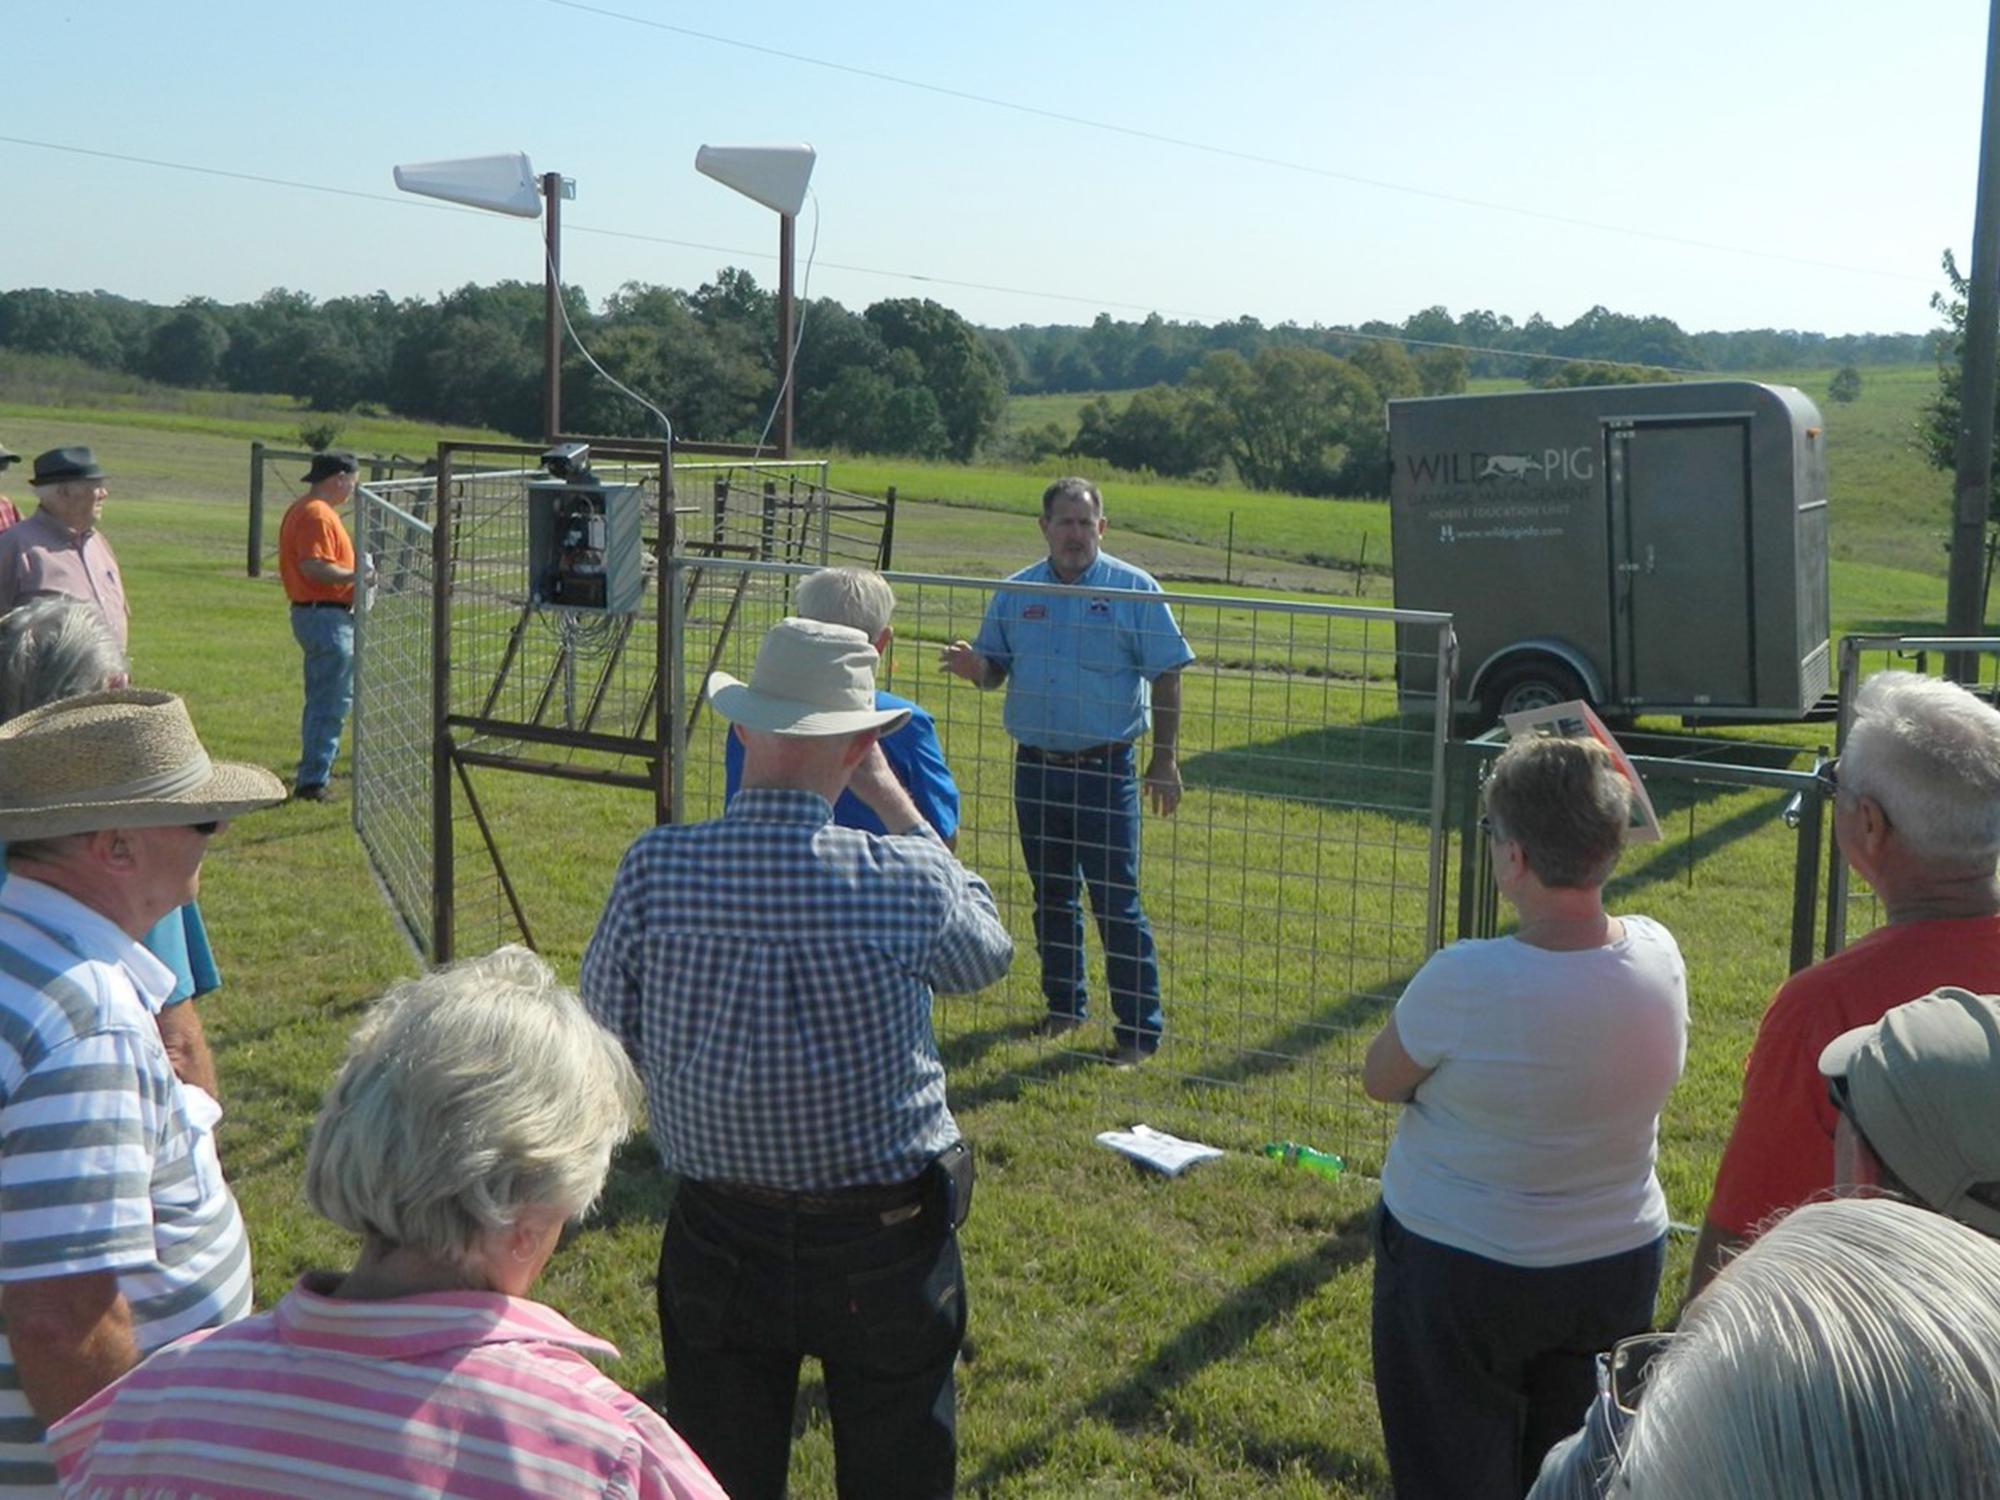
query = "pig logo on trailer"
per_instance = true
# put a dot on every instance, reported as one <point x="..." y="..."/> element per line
<point x="1515" y="466"/>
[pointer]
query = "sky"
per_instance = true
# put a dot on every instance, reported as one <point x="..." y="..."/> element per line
<point x="1720" y="164"/>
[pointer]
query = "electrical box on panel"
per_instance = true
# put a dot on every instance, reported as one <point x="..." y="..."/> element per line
<point x="583" y="545"/>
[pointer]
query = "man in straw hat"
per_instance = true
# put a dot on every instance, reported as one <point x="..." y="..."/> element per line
<point x="59" y="550"/>
<point x="316" y="561"/>
<point x="771" y="974"/>
<point x="117" y="1233"/>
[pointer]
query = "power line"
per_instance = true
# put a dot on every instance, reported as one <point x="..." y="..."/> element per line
<point x="400" y="200"/>
<point x="1229" y="153"/>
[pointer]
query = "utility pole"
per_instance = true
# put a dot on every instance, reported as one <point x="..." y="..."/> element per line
<point x="1973" y="493"/>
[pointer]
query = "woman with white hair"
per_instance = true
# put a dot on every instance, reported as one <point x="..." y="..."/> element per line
<point x="1851" y="1353"/>
<point x="474" y="1117"/>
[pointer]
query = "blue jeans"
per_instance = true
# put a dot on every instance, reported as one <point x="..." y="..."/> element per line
<point x="1482" y="1367"/>
<point x="1083" y="820"/>
<point x="746" y="1290"/>
<point x="327" y="638"/>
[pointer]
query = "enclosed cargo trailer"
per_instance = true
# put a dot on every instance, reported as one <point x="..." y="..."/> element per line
<point x="1648" y="548"/>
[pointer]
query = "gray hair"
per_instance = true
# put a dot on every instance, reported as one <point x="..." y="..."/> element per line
<point x="53" y="648"/>
<point x="1850" y="1353"/>
<point x="859" y="598"/>
<point x="1928" y="752"/>
<point x="1075" y="487"/>
<point x="469" y="1094"/>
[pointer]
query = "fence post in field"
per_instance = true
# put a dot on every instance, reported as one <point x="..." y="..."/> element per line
<point x="888" y="530"/>
<point x="1361" y="565"/>
<point x="256" y="542"/>
<point x="1229" y="556"/>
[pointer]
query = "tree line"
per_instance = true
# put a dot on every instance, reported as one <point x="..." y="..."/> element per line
<point x="1278" y="407"/>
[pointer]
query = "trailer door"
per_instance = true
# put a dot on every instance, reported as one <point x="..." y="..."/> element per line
<point x="1681" y="591"/>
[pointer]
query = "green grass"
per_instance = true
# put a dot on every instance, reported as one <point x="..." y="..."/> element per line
<point x="1131" y="1336"/>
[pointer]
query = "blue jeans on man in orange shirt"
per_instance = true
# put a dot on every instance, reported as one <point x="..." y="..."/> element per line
<point x="327" y="638"/>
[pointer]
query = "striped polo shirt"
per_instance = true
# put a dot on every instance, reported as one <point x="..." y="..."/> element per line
<point x="107" y="1161"/>
<point x="470" y="1394"/>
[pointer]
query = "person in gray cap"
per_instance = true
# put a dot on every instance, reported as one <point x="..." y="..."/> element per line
<point x="772" y="974"/>
<point x="1919" y="1100"/>
<point x="316" y="561"/>
<point x="117" y="1232"/>
<point x="8" y="513"/>
<point x="58" y="549"/>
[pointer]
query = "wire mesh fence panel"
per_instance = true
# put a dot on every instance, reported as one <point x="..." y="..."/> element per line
<point x="1285" y="902"/>
<point x="392" y="699"/>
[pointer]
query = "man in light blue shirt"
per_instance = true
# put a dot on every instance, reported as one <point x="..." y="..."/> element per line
<point x="1086" y="668"/>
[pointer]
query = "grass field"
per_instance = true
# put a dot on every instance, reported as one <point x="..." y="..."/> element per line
<point x="1131" y="1336"/>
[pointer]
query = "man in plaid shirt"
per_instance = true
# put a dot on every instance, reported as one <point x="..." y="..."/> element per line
<point x="771" y="975"/>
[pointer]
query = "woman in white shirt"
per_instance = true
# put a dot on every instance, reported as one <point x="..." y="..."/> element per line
<point x="1522" y="1228"/>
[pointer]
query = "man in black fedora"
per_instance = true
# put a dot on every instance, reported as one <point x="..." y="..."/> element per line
<point x="8" y="514"/>
<point x="58" y="549"/>
<point x="316" y="560"/>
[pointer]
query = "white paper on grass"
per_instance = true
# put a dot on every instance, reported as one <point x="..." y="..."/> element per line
<point x="1574" y="720"/>
<point x="1164" y="1153"/>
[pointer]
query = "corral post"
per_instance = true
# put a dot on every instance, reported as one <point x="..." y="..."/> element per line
<point x="443" y="866"/>
<point x="1229" y="555"/>
<point x="1805" y="880"/>
<point x="256" y="542"/>
<point x="667" y="646"/>
<point x="888" y="530"/>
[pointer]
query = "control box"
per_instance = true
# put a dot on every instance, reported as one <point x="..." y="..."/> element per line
<point x="584" y="551"/>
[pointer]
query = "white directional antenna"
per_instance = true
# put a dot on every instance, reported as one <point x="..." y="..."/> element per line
<point x="503" y="184"/>
<point x="775" y="176"/>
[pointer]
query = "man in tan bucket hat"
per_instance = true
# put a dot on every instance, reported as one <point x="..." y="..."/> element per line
<point x="771" y="974"/>
<point x="117" y="1232"/>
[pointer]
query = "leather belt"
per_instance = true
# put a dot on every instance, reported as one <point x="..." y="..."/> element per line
<point x="1074" y="757"/>
<point x="866" y="1200"/>
<point x="321" y="604"/>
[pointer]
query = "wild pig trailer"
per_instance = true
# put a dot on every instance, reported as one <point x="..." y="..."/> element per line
<point x="1647" y="548"/>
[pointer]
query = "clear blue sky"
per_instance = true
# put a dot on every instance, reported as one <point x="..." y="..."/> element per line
<point x="1842" y="133"/>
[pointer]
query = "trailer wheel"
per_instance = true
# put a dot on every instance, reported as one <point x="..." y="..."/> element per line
<point x="1530" y="682"/>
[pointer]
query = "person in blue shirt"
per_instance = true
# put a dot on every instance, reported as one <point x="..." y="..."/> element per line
<point x="862" y="600"/>
<point x="1087" y="667"/>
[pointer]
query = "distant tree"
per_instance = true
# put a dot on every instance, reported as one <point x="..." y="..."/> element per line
<point x="1845" y="385"/>
<point x="1158" y="429"/>
<point x="1547" y="375"/>
<point x="1294" y="419"/>
<point x="1442" y="372"/>
<point x="1389" y="366"/>
<point x="963" y="378"/>
<point x="187" y="349"/>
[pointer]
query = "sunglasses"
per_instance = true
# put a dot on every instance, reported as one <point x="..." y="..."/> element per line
<point x="207" y="830"/>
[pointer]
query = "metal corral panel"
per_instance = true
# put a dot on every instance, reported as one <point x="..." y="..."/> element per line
<point x="1655" y="548"/>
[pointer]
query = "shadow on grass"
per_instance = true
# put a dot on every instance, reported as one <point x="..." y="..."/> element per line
<point x="1380" y="766"/>
<point x="638" y="1190"/>
<point x="1142" y="1398"/>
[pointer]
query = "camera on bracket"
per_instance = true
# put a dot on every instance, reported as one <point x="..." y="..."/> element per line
<point x="568" y="461"/>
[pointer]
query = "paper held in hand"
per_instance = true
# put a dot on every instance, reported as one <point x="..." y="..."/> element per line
<point x="1575" y="720"/>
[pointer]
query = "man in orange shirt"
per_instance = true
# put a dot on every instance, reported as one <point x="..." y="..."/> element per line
<point x="316" y="561"/>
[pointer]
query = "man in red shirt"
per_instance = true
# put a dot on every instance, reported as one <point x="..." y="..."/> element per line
<point x="1917" y="814"/>
<point x="316" y="562"/>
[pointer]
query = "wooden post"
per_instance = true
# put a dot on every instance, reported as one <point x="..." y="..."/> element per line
<point x="1973" y="495"/>
<point x="256" y="542"/>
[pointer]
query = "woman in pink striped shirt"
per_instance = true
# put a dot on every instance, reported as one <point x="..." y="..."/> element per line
<point x="475" y="1116"/>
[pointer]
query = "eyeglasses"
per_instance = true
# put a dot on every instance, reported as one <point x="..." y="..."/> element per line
<point x="1629" y="1365"/>
<point x="1493" y="835"/>
<point x="1828" y="777"/>
<point x="209" y="829"/>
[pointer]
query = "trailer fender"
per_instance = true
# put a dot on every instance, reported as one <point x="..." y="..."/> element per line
<point x="1539" y="671"/>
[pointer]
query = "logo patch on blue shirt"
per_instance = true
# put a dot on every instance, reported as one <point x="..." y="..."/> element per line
<point x="1100" y="606"/>
<point x="1035" y="612"/>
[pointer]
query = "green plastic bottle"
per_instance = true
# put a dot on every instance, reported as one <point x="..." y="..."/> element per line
<point x="1292" y="1154"/>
